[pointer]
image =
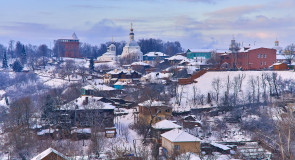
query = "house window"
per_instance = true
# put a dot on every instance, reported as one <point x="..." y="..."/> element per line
<point x="258" y="55"/>
<point x="264" y="63"/>
<point x="264" y="55"/>
<point x="261" y="63"/>
<point x="177" y="147"/>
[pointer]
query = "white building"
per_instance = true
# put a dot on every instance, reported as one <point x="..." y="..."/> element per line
<point x="132" y="49"/>
<point x="110" y="55"/>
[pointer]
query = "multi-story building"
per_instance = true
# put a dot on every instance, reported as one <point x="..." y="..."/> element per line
<point x="149" y="108"/>
<point x="68" y="47"/>
<point x="204" y="54"/>
<point x="250" y="59"/>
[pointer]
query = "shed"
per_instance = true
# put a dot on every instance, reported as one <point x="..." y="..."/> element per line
<point x="280" y="66"/>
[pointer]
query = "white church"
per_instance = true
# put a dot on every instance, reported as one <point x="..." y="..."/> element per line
<point x="132" y="49"/>
<point x="110" y="55"/>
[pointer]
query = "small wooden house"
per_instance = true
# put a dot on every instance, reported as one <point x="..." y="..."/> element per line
<point x="50" y="154"/>
<point x="280" y="66"/>
<point x="178" y="141"/>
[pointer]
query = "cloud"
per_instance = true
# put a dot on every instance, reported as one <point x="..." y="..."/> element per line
<point x="233" y="12"/>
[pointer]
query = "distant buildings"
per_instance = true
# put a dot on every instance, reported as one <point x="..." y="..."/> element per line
<point x="68" y="47"/>
<point x="126" y="75"/>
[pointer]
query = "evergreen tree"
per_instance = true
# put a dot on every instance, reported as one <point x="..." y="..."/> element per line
<point x="91" y="65"/>
<point x="17" y="67"/>
<point x="5" y="64"/>
<point x="48" y="106"/>
<point x="24" y="55"/>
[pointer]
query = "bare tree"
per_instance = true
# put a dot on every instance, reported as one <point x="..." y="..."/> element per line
<point x="20" y="138"/>
<point x="252" y="83"/>
<point x="216" y="83"/>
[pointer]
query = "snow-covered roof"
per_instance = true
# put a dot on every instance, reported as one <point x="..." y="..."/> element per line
<point x="47" y="152"/>
<point x="221" y="146"/>
<point x="249" y="48"/>
<point x="81" y="130"/>
<point x="275" y="64"/>
<point x="156" y="75"/>
<point x="98" y="87"/>
<point x="93" y="103"/>
<point x="126" y="71"/>
<point x="46" y="131"/>
<point x="152" y="103"/>
<point x="178" y="135"/>
<point x="120" y="83"/>
<point x="201" y="50"/>
<point x="155" y="54"/>
<point x="139" y="64"/>
<point x="222" y="51"/>
<point x="166" y="124"/>
<point x="74" y="36"/>
<point x="281" y="57"/>
<point x="176" y="57"/>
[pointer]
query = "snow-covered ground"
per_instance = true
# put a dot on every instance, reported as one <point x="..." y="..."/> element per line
<point x="203" y="85"/>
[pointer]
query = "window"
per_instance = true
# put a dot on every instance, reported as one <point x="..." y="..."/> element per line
<point x="177" y="147"/>
<point x="264" y="63"/>
<point x="261" y="63"/>
<point x="167" y="110"/>
<point x="264" y="55"/>
<point x="258" y="56"/>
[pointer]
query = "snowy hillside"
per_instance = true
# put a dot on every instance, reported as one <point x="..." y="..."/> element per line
<point x="239" y="80"/>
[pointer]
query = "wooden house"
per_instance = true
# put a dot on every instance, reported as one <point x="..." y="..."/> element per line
<point x="50" y="154"/>
<point x="159" y="108"/>
<point x="178" y="141"/>
<point x="162" y="127"/>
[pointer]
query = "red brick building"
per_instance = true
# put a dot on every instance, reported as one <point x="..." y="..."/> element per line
<point x="69" y="47"/>
<point x="250" y="59"/>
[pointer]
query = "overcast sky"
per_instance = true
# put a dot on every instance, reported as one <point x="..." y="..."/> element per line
<point x="195" y="23"/>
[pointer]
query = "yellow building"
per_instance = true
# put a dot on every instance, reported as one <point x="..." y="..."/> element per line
<point x="158" y="108"/>
<point x="178" y="141"/>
